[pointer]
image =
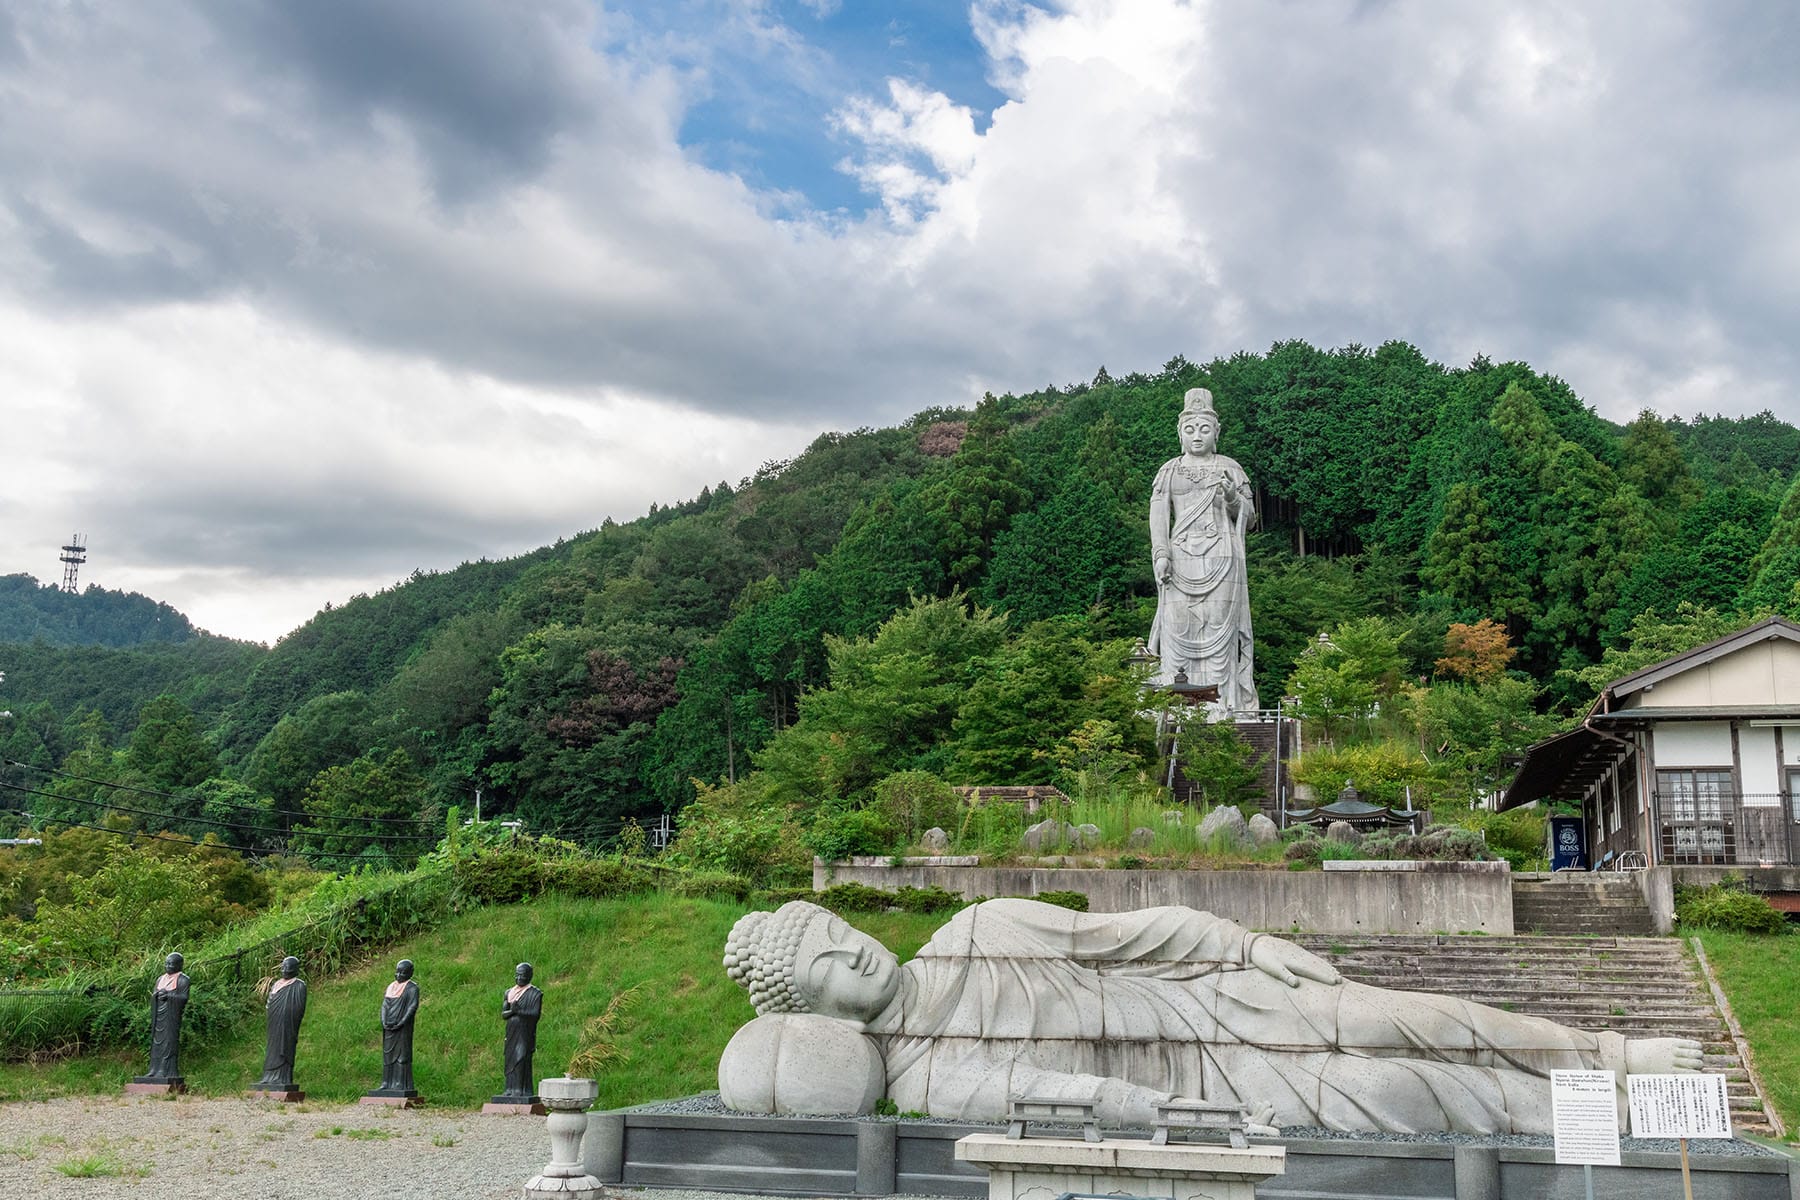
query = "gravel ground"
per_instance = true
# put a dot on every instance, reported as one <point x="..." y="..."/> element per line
<point x="214" y="1149"/>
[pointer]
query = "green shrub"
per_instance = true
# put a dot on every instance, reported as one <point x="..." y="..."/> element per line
<point x="914" y="801"/>
<point x="846" y="832"/>
<point x="710" y="885"/>
<point x="928" y="899"/>
<point x="598" y="878"/>
<point x="854" y="897"/>
<point x="1064" y="899"/>
<point x="1381" y="772"/>
<point x="1727" y="906"/>
<point x="773" y="898"/>
<point x="501" y="876"/>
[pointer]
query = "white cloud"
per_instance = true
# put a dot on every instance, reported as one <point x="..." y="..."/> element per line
<point x="295" y="298"/>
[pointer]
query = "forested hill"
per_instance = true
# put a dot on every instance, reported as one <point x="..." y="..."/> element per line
<point x="601" y="677"/>
<point x="33" y="612"/>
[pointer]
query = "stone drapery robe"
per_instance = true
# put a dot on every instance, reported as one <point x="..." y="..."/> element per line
<point x="1017" y="998"/>
<point x="1202" y="622"/>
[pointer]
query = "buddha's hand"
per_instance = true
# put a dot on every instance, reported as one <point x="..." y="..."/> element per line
<point x="1290" y="963"/>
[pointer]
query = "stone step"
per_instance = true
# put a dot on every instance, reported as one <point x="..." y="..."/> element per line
<point x="1577" y="977"/>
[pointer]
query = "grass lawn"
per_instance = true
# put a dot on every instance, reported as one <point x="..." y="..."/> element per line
<point x="1760" y="974"/>
<point x="666" y="951"/>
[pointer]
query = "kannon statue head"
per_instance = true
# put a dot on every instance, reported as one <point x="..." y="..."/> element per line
<point x="173" y="963"/>
<point x="805" y="959"/>
<point x="522" y="974"/>
<point x="403" y="970"/>
<point x="290" y="967"/>
<point x="1198" y="425"/>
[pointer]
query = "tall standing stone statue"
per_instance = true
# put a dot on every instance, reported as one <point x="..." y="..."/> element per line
<point x="1201" y="506"/>
<point x="399" y="1007"/>
<point x="1015" y="998"/>
<point x="285" y="1009"/>
<point x="520" y="1007"/>
<point x="167" y="1000"/>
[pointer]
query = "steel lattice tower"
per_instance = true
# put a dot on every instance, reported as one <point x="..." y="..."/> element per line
<point x="73" y="555"/>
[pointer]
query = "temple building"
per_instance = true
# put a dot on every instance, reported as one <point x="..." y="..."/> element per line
<point x="1691" y="762"/>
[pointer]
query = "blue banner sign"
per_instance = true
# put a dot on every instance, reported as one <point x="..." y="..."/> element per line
<point x="1568" y="843"/>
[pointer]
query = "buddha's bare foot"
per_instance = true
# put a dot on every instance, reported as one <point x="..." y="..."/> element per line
<point x="1661" y="1056"/>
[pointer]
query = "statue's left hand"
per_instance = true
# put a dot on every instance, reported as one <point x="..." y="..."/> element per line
<point x="1290" y="963"/>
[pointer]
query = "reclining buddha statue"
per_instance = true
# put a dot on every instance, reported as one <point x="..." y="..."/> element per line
<point x="1015" y="998"/>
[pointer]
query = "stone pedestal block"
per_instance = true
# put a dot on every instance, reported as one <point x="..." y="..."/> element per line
<point x="289" y="1096"/>
<point x="510" y="1106"/>
<point x="144" y="1085"/>
<point x="1032" y="1168"/>
<point x="389" y="1099"/>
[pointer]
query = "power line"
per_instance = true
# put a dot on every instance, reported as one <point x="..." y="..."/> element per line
<point x="251" y="808"/>
<point x="144" y="812"/>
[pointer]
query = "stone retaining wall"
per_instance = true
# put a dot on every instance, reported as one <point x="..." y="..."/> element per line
<point x="1405" y="898"/>
<point x="790" y="1156"/>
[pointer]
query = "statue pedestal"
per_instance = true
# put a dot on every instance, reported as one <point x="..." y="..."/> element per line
<point x="1033" y="1167"/>
<point x="566" y="1177"/>
<point x="146" y="1085"/>
<point x="392" y="1099"/>
<point x="511" y="1106"/>
<point x="287" y="1096"/>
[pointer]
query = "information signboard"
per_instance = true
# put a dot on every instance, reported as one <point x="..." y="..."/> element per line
<point x="1584" y="1113"/>
<point x="1679" y="1106"/>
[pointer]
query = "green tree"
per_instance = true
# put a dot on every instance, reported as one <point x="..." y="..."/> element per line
<point x="350" y="810"/>
<point x="167" y="748"/>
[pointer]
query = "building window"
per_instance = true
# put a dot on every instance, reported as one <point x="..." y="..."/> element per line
<point x="1695" y="795"/>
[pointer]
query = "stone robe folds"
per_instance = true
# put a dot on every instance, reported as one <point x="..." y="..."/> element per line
<point x="399" y="1005"/>
<point x="521" y="1013"/>
<point x="286" y="1007"/>
<point x="1202" y="623"/>
<point x="1016" y="998"/>
<point x="167" y="1001"/>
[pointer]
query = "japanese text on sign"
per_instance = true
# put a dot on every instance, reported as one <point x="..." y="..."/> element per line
<point x="1679" y="1106"/>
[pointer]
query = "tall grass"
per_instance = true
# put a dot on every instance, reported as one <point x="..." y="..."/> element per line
<point x="663" y="950"/>
<point x="993" y="830"/>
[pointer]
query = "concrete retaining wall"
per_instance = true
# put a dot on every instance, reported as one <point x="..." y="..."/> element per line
<point x="878" y="1158"/>
<point x="1421" y="898"/>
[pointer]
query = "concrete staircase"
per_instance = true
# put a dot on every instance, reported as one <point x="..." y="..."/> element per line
<point x="1638" y="986"/>
<point x="1580" y="903"/>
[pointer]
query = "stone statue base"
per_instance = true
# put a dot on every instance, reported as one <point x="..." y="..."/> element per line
<point x="287" y="1096"/>
<point x="151" y="1085"/>
<point x="1036" y="1167"/>
<point x="393" y="1098"/>
<point x="522" y="1106"/>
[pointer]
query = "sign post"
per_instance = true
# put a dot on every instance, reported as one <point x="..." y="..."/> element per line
<point x="1682" y="1107"/>
<point x="1584" y="1115"/>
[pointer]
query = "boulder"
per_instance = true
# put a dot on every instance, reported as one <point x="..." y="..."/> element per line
<point x="1141" y="838"/>
<point x="1342" y="831"/>
<point x="1084" y="837"/>
<point x="1263" y="832"/>
<point x="1048" y="834"/>
<point x="935" y="841"/>
<point x="1224" y="826"/>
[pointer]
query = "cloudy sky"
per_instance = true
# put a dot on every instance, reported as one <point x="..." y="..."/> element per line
<point x="298" y="296"/>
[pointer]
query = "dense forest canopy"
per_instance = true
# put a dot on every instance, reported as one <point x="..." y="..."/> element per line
<point x="771" y="633"/>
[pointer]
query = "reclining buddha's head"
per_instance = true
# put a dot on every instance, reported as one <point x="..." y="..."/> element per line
<point x="803" y="958"/>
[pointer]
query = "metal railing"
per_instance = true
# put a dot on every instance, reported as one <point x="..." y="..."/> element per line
<point x="1714" y="826"/>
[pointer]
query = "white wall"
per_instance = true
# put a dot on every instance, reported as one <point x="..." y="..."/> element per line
<point x="1762" y="773"/>
<point x="1692" y="744"/>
